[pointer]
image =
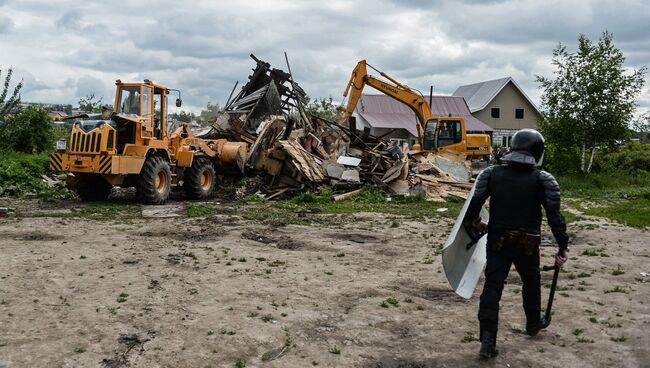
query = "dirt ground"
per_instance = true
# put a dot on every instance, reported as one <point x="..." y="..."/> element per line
<point x="364" y="291"/>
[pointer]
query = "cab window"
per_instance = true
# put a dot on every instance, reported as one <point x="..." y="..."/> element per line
<point x="430" y="135"/>
<point x="129" y="100"/>
<point x="449" y="132"/>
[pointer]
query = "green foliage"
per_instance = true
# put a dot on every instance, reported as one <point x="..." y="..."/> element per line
<point x="90" y="103"/>
<point x="30" y="131"/>
<point x="209" y="114"/>
<point x="21" y="174"/>
<point x="591" y="100"/>
<point x="183" y="116"/>
<point x="631" y="159"/>
<point x="322" y="108"/>
<point x="12" y="103"/>
<point x="560" y="159"/>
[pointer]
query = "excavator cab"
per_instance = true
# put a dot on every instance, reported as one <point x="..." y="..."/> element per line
<point x="442" y="133"/>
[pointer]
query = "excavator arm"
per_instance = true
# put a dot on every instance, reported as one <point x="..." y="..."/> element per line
<point x="360" y="78"/>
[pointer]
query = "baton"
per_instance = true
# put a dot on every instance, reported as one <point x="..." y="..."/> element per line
<point x="551" y="295"/>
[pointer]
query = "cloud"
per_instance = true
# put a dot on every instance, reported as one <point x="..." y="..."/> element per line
<point x="6" y="24"/>
<point x="201" y="47"/>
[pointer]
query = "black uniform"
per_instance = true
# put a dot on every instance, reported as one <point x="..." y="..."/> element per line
<point x="517" y="193"/>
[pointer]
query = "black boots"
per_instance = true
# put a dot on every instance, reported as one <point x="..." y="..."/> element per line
<point x="535" y="324"/>
<point x="488" y="345"/>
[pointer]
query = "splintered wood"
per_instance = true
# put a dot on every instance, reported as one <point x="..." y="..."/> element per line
<point x="325" y="154"/>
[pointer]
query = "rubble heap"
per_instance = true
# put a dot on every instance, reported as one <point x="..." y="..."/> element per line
<point x="296" y="151"/>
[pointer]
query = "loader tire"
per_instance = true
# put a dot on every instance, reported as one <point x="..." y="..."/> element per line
<point x="155" y="181"/>
<point x="92" y="187"/>
<point x="199" y="179"/>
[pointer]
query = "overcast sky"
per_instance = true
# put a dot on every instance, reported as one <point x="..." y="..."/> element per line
<point x="67" y="49"/>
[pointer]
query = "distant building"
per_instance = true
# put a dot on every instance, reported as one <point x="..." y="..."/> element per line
<point x="57" y="115"/>
<point x="393" y="120"/>
<point x="502" y="105"/>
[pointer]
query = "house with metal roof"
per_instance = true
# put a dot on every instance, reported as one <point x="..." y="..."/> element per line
<point x="391" y="119"/>
<point x="502" y="105"/>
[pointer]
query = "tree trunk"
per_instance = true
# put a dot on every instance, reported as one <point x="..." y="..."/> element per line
<point x="591" y="159"/>
<point x="582" y="158"/>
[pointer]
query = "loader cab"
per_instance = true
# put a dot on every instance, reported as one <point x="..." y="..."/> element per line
<point x="142" y="112"/>
<point x="443" y="132"/>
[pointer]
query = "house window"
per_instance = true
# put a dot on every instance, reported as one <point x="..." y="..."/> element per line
<point x="496" y="112"/>
<point x="519" y="113"/>
<point x="506" y="141"/>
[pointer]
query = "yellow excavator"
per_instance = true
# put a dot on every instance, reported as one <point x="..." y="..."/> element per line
<point x="435" y="133"/>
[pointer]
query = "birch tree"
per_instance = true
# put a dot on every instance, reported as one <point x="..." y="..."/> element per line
<point x="590" y="101"/>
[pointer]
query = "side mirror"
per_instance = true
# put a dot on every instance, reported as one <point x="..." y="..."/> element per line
<point x="179" y="102"/>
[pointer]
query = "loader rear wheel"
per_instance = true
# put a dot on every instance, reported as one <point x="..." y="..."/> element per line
<point x="92" y="187"/>
<point x="199" y="179"/>
<point x="155" y="181"/>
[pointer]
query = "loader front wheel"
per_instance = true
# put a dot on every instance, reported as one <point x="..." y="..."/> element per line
<point x="92" y="187"/>
<point x="199" y="179"/>
<point x="155" y="181"/>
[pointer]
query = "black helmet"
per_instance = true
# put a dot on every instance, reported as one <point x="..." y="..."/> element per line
<point x="527" y="148"/>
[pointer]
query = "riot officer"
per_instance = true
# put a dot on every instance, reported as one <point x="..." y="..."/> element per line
<point x="517" y="191"/>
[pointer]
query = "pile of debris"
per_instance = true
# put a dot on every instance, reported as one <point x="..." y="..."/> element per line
<point x="295" y="151"/>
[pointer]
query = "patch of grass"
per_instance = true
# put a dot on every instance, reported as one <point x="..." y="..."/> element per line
<point x="80" y="350"/>
<point x="578" y="331"/>
<point x="240" y="363"/>
<point x="199" y="210"/>
<point x="593" y="320"/>
<point x="267" y="318"/>
<point x="618" y="271"/>
<point x="334" y="350"/>
<point x="633" y="212"/>
<point x="595" y="253"/>
<point x="469" y="337"/>
<point x="122" y="297"/>
<point x="392" y="301"/>
<point x="253" y="198"/>
<point x="616" y="289"/>
<point x="618" y="339"/>
<point x="624" y="197"/>
<point x="570" y="217"/>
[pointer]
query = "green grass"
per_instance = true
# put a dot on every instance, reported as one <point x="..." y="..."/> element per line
<point x="374" y="201"/>
<point x="199" y="210"/>
<point x="618" y="197"/>
<point x="300" y="208"/>
<point x="632" y="212"/>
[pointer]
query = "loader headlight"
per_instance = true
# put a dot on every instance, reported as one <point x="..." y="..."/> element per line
<point x="62" y="144"/>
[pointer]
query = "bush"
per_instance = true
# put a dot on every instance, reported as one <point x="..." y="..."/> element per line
<point x="21" y="174"/>
<point x="30" y="131"/>
<point x="631" y="159"/>
<point x="561" y="160"/>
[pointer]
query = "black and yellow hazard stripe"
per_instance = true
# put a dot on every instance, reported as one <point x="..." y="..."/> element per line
<point x="105" y="164"/>
<point x="56" y="163"/>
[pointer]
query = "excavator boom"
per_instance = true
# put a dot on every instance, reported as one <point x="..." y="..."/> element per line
<point x="402" y="93"/>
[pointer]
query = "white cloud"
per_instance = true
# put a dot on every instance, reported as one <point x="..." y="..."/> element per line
<point x="65" y="49"/>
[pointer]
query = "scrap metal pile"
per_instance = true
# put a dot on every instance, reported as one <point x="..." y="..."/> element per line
<point x="294" y="151"/>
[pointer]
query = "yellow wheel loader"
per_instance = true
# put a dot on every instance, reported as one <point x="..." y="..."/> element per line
<point x="131" y="147"/>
